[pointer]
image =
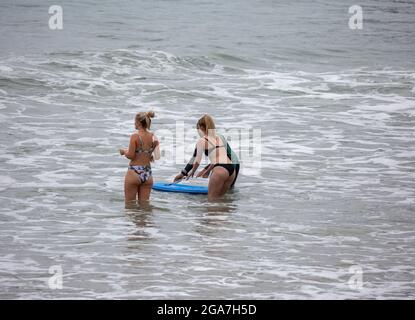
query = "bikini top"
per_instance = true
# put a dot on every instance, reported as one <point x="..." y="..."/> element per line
<point x="215" y="146"/>
<point x="140" y="149"/>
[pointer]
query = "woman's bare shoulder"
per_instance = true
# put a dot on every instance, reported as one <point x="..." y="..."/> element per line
<point x="135" y="135"/>
<point x="201" y="143"/>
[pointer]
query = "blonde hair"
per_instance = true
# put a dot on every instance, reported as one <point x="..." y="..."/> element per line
<point x="207" y="124"/>
<point x="144" y="118"/>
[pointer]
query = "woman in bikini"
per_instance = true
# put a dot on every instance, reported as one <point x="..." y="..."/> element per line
<point x="144" y="147"/>
<point x="224" y="165"/>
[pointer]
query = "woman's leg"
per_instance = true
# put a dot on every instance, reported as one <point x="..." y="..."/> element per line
<point x="144" y="191"/>
<point x="131" y="186"/>
<point x="216" y="182"/>
<point x="229" y="182"/>
<point x="237" y="167"/>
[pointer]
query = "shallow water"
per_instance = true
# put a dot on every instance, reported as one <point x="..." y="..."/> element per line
<point x="336" y="183"/>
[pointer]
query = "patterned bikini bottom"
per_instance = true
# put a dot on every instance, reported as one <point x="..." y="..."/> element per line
<point x="144" y="172"/>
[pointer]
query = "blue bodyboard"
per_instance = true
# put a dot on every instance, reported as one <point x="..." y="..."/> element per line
<point x="183" y="188"/>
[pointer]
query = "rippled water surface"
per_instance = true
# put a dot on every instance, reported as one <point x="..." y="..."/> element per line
<point x="336" y="110"/>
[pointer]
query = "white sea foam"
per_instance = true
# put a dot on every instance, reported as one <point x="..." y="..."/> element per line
<point x="6" y="69"/>
<point x="5" y="182"/>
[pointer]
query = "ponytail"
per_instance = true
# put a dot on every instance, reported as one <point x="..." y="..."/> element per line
<point x="144" y="118"/>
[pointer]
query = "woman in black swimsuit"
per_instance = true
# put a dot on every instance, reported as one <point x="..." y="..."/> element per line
<point x="224" y="166"/>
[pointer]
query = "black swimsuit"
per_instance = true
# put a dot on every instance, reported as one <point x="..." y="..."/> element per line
<point x="230" y="167"/>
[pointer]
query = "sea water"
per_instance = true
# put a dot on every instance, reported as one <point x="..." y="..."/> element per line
<point x="329" y="213"/>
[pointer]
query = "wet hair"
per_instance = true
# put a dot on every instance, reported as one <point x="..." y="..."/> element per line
<point x="206" y="123"/>
<point x="144" y="118"/>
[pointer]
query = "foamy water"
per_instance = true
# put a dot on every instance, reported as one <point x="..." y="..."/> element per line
<point x="336" y="187"/>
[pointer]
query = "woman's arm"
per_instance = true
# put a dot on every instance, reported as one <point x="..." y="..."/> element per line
<point x="189" y="165"/>
<point x="206" y="171"/>
<point x="200" y="146"/>
<point x="157" y="148"/>
<point x="130" y="152"/>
